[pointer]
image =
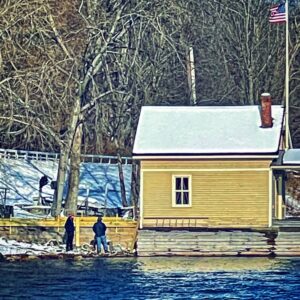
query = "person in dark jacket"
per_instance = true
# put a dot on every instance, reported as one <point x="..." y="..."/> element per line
<point x="99" y="229"/>
<point x="70" y="228"/>
<point x="42" y="183"/>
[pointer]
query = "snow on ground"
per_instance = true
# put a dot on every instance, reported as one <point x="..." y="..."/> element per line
<point x="103" y="183"/>
<point x="293" y="206"/>
<point x="24" y="214"/>
<point x="12" y="247"/>
<point x="98" y="182"/>
<point x="22" y="178"/>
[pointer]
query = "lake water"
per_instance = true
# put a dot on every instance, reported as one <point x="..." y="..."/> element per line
<point x="152" y="278"/>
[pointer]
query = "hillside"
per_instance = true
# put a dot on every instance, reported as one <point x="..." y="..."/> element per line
<point x="99" y="182"/>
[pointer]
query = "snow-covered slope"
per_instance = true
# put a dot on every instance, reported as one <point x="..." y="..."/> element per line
<point x="22" y="178"/>
<point x="98" y="182"/>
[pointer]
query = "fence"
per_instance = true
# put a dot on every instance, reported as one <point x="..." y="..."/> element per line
<point x="51" y="156"/>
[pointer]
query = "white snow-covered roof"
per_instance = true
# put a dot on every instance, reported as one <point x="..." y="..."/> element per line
<point x="206" y="130"/>
<point x="291" y="156"/>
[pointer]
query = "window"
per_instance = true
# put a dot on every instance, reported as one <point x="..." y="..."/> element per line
<point x="182" y="190"/>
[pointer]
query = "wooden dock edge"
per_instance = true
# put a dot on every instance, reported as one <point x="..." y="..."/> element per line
<point x="218" y="242"/>
<point x="121" y="232"/>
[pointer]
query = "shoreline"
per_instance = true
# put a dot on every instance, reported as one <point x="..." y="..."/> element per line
<point x="54" y="256"/>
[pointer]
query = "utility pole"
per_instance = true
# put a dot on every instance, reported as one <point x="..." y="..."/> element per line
<point x="191" y="76"/>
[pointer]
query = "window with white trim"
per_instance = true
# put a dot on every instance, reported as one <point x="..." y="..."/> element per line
<point x="182" y="190"/>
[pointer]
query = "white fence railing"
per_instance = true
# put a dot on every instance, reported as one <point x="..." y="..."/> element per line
<point x="51" y="156"/>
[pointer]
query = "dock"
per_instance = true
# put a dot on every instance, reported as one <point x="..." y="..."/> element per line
<point x="282" y="239"/>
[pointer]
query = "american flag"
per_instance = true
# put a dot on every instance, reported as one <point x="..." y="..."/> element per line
<point x="277" y="14"/>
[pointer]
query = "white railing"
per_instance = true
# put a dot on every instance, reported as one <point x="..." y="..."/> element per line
<point x="51" y="156"/>
<point x="102" y="159"/>
<point x="28" y="155"/>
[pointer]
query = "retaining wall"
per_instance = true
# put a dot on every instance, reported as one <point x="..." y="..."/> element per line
<point x="222" y="242"/>
<point x="119" y="232"/>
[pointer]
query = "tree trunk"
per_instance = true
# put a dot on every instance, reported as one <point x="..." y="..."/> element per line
<point x="122" y="183"/>
<point x="72" y="197"/>
<point x="63" y="160"/>
<point x="135" y="186"/>
<point x="61" y="175"/>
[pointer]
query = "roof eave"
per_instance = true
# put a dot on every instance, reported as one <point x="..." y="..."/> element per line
<point x="153" y="156"/>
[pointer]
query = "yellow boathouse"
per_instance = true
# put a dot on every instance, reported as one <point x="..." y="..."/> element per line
<point x="209" y="166"/>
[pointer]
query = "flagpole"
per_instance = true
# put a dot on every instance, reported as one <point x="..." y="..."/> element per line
<point x="287" y="130"/>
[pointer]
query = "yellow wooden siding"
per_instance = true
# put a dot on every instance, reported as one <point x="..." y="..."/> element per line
<point x="204" y="164"/>
<point x="225" y="197"/>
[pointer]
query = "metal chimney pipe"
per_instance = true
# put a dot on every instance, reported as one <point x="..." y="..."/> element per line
<point x="266" y="111"/>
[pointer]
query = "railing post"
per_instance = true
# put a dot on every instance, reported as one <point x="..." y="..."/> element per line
<point x="77" y="232"/>
<point x="116" y="223"/>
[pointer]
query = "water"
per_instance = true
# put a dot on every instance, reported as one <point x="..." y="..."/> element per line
<point x="152" y="278"/>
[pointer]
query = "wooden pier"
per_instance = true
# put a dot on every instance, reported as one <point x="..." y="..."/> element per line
<point x="203" y="243"/>
<point x="283" y="239"/>
<point x="287" y="242"/>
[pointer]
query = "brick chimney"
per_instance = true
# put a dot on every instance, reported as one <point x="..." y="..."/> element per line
<point x="266" y="111"/>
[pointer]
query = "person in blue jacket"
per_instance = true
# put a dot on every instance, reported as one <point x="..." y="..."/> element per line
<point x="99" y="229"/>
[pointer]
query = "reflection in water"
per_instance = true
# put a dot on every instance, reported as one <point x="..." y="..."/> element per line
<point x="220" y="264"/>
<point x="152" y="278"/>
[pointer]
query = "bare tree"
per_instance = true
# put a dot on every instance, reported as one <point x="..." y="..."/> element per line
<point x="140" y="64"/>
<point x="116" y="50"/>
<point x="74" y="76"/>
<point x="239" y="54"/>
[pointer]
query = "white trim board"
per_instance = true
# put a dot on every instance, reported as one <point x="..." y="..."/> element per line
<point x="200" y="157"/>
<point x="206" y="170"/>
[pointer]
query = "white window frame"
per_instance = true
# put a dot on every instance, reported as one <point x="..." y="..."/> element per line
<point x="174" y="190"/>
